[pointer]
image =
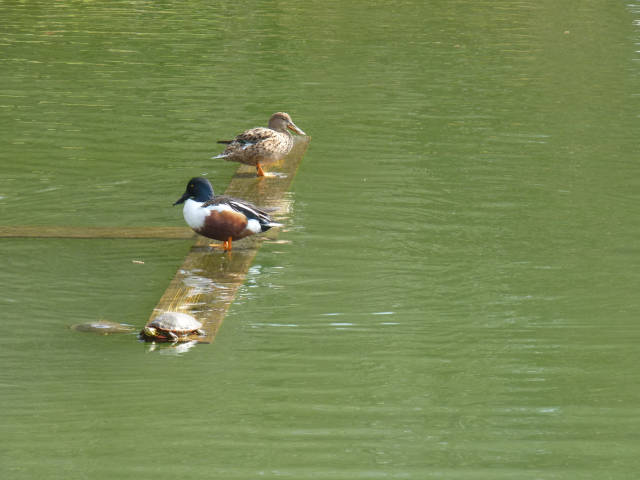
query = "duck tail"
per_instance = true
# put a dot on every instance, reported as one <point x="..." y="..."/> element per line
<point x="267" y="225"/>
<point x="225" y="142"/>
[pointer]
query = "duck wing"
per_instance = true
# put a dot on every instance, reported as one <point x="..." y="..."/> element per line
<point x="250" y="137"/>
<point x="248" y="209"/>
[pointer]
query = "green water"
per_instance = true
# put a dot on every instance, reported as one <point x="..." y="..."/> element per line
<point x="458" y="294"/>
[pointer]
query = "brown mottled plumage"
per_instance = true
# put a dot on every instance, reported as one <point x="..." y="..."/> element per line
<point x="262" y="145"/>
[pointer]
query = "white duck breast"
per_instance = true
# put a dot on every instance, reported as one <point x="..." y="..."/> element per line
<point x="195" y="215"/>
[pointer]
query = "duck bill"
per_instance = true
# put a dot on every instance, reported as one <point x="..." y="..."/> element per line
<point x="181" y="199"/>
<point x="294" y="128"/>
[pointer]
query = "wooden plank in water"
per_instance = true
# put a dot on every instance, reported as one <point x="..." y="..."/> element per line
<point x="207" y="281"/>
<point x="94" y="232"/>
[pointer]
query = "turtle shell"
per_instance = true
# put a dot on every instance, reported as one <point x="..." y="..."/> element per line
<point x="175" y="322"/>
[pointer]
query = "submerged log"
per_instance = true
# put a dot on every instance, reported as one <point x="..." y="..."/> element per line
<point x="94" y="232"/>
<point x="206" y="283"/>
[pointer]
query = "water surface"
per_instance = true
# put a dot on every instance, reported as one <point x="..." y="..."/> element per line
<point x="456" y="296"/>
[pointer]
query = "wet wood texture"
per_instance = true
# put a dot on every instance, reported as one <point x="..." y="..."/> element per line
<point x="206" y="283"/>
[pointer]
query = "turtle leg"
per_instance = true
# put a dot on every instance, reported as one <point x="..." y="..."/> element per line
<point x="260" y="171"/>
<point x="174" y="337"/>
<point x="201" y="332"/>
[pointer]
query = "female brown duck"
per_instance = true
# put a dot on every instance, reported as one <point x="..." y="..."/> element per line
<point x="262" y="145"/>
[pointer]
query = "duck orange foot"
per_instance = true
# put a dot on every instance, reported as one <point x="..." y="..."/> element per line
<point x="226" y="245"/>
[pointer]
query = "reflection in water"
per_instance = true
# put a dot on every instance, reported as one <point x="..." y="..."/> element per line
<point x="199" y="285"/>
<point x="171" y="349"/>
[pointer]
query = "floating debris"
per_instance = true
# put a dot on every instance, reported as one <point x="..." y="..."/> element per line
<point x="102" y="327"/>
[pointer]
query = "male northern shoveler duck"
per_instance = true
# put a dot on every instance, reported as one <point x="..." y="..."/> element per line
<point x="221" y="217"/>
<point x="262" y="145"/>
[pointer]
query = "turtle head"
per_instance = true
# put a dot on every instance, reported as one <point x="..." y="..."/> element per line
<point x="150" y="332"/>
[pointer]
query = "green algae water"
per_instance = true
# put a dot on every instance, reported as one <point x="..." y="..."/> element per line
<point x="455" y="293"/>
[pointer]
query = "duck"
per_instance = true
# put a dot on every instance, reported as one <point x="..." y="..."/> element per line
<point x="221" y="217"/>
<point x="262" y="145"/>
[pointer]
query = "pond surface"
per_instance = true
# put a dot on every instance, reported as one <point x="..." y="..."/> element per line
<point x="456" y="296"/>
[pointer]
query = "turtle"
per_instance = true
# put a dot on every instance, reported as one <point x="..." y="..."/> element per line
<point x="172" y="327"/>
